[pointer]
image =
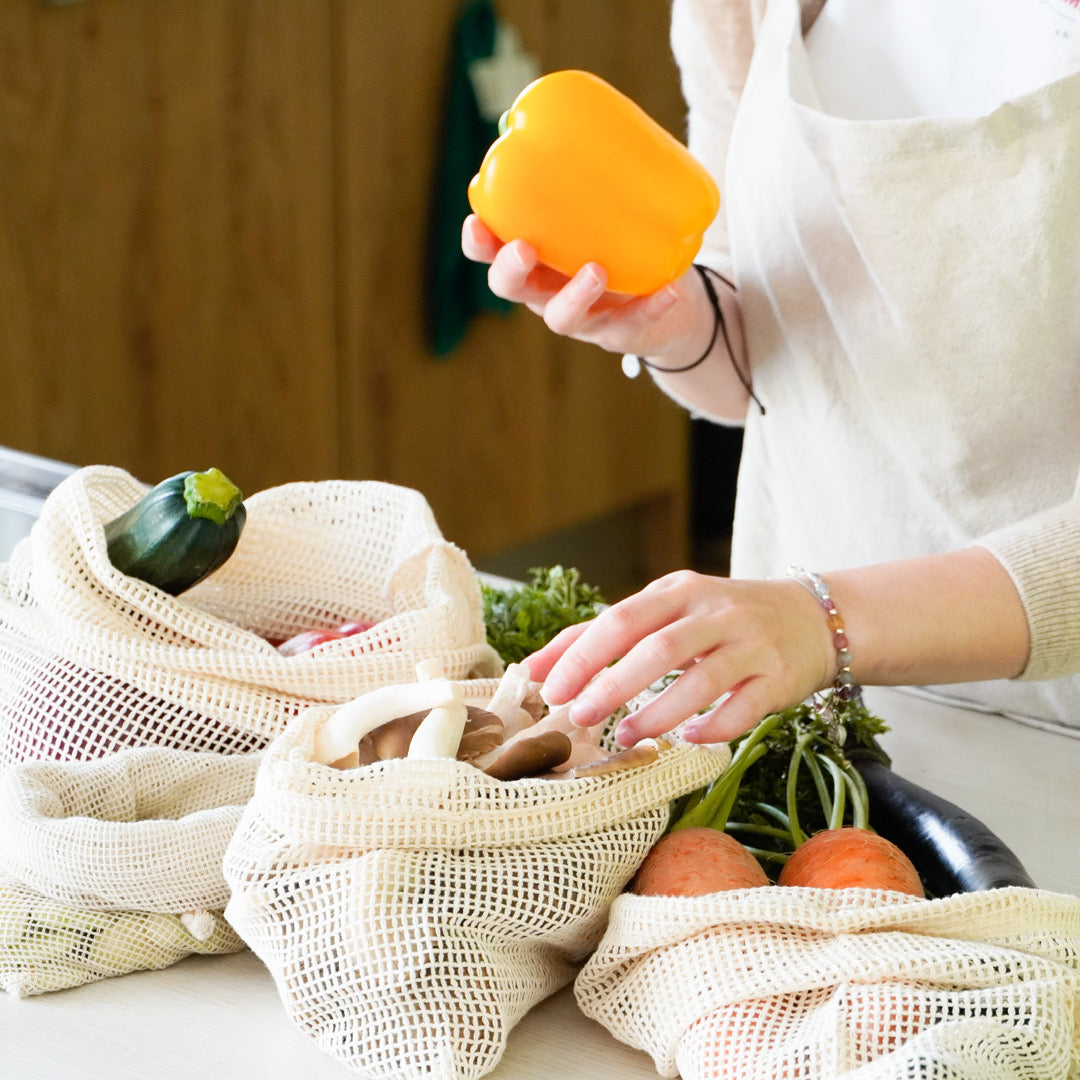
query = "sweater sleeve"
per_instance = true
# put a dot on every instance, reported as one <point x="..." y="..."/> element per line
<point x="1042" y="556"/>
<point x="713" y="44"/>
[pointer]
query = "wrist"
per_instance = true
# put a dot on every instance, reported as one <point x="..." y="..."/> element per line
<point x="953" y="617"/>
<point x="689" y="339"/>
<point x="720" y="305"/>
<point x="838" y="650"/>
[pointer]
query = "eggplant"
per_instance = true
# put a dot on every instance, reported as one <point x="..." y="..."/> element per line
<point x="952" y="850"/>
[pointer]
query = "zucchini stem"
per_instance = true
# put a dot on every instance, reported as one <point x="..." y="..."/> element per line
<point x="211" y="495"/>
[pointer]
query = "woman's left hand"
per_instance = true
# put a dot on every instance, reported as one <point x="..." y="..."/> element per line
<point x="746" y="648"/>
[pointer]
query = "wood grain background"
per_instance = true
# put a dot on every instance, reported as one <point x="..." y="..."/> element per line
<point x="212" y="225"/>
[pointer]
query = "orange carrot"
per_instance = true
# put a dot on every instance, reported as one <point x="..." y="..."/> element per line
<point x="696" y="861"/>
<point x="850" y="858"/>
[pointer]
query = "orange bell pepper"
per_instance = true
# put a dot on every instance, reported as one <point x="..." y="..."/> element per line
<point x="584" y="174"/>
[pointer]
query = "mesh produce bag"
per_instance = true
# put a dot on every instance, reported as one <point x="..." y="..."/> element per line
<point x="820" y="984"/>
<point x="412" y="911"/>
<point x="114" y="865"/>
<point x="92" y="660"/>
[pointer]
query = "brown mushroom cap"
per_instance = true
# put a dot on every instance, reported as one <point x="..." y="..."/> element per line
<point x="530" y="756"/>
<point x="642" y="753"/>
<point x="483" y="732"/>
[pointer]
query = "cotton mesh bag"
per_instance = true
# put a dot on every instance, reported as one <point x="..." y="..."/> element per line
<point x="784" y="982"/>
<point x="93" y="660"/>
<point x="411" y="911"/>
<point x="114" y="865"/>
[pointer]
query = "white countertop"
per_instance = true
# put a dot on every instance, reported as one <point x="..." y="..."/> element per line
<point x="220" y="1017"/>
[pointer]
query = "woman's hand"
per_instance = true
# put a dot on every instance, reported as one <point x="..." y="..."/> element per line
<point x="674" y="322"/>
<point x="752" y="647"/>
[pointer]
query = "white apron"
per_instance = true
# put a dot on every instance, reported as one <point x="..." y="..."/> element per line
<point x="888" y="272"/>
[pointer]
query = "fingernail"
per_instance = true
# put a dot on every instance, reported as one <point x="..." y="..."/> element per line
<point x="553" y="693"/>
<point x="625" y="735"/>
<point x="583" y="712"/>
<point x="594" y="277"/>
<point x="691" y="731"/>
<point x="519" y="258"/>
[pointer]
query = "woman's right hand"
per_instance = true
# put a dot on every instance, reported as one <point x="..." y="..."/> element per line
<point x="674" y="322"/>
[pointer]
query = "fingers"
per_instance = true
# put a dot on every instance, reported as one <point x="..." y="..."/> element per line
<point x="735" y="715"/>
<point x="543" y="660"/>
<point x="734" y="712"/>
<point x="648" y="636"/>
<point x="742" y="650"/>
<point x="478" y="242"/>
<point x="514" y="272"/>
<point x="570" y="310"/>
<point x="517" y="274"/>
<point x="579" y="306"/>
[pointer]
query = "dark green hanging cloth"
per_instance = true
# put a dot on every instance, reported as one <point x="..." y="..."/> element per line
<point x="456" y="286"/>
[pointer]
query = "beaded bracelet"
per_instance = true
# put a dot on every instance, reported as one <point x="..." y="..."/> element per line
<point x="844" y="684"/>
<point x="632" y="363"/>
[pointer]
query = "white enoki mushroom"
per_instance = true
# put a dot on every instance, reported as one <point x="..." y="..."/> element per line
<point x="439" y="733"/>
<point x="341" y="734"/>
<point x="506" y="702"/>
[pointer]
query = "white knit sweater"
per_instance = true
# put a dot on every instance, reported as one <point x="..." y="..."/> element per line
<point x="909" y="291"/>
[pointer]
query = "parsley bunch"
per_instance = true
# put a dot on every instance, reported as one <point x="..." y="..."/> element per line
<point x="523" y="619"/>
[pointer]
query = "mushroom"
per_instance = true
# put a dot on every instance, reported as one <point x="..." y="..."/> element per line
<point x="340" y="736"/>
<point x="439" y="733"/>
<point x="633" y="757"/>
<point x="482" y="733"/>
<point x="532" y="756"/>
<point x="586" y="746"/>
<point x="507" y="702"/>
<point x="533" y="703"/>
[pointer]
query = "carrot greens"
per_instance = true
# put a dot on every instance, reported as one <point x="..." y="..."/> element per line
<point x="789" y="778"/>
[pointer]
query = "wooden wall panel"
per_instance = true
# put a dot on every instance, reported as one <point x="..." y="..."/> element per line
<point x="213" y="219"/>
<point x="166" y="242"/>
<point x="517" y="432"/>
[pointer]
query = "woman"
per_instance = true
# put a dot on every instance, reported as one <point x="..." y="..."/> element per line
<point x="895" y="273"/>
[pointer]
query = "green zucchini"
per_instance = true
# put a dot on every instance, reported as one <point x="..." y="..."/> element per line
<point x="180" y="531"/>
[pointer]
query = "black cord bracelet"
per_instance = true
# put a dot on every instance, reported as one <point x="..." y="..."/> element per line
<point x="719" y="328"/>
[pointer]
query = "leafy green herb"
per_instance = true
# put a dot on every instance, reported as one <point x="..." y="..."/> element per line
<point x="523" y="619"/>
